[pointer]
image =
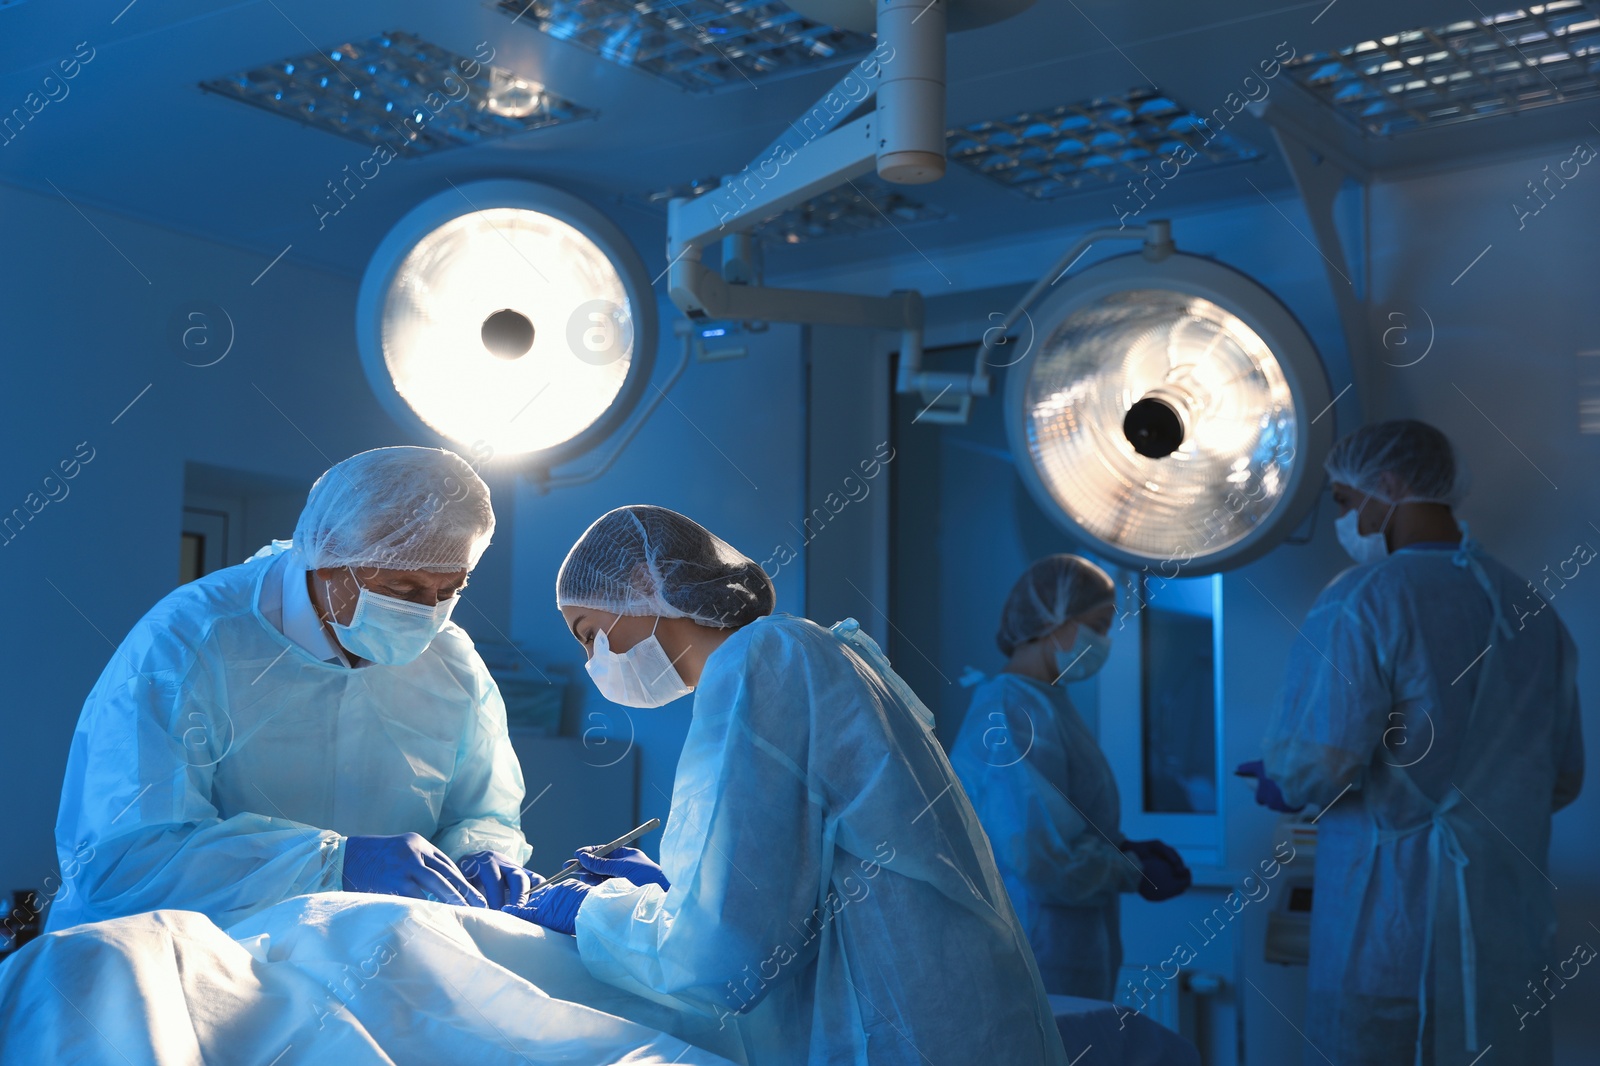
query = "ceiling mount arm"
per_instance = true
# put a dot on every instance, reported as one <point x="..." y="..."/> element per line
<point x="1157" y="238"/>
<point x="769" y="185"/>
<point x="1320" y="172"/>
<point x="903" y="139"/>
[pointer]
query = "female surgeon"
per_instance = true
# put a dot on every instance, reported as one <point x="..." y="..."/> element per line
<point x="1044" y="791"/>
<point x="824" y="886"/>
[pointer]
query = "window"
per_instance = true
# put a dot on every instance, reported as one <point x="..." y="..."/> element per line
<point x="1179" y="633"/>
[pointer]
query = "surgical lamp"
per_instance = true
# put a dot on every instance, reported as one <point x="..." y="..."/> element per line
<point x="1170" y="415"/>
<point x="509" y="318"/>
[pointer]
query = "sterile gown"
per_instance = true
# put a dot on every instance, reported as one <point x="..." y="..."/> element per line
<point x="218" y="766"/>
<point x="1048" y="800"/>
<point x="833" y="896"/>
<point x="1431" y="681"/>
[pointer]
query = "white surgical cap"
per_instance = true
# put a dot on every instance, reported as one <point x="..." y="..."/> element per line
<point x="398" y="509"/>
<point x="1420" y="464"/>
<point x="644" y="560"/>
<point x="1053" y="591"/>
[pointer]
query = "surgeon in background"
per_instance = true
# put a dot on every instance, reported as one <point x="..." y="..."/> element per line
<point x="1043" y="789"/>
<point x="824" y="887"/>
<point x="306" y="721"/>
<point x="1431" y="711"/>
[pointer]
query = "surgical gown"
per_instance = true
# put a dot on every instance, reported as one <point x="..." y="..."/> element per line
<point x="1048" y="800"/>
<point x="1442" y="691"/>
<point x="833" y="896"/>
<point x="218" y="766"/>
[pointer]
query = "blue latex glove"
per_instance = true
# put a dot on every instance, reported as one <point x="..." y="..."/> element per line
<point x="406" y="864"/>
<point x="629" y="863"/>
<point x="554" y="906"/>
<point x="1161" y="879"/>
<point x="1268" y="794"/>
<point x="499" y="879"/>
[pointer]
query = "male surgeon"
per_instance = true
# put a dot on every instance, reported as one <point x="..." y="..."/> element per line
<point x="307" y="721"/>
<point x="1431" y="711"/>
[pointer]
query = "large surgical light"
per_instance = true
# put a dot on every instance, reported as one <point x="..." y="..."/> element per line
<point x="1170" y="414"/>
<point x="507" y="318"/>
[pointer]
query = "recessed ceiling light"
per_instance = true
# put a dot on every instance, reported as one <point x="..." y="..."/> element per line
<point x="699" y="45"/>
<point x="1092" y="144"/>
<point x="1476" y="68"/>
<point x="398" y="90"/>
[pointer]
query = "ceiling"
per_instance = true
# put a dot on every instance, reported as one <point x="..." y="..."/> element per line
<point x="136" y="136"/>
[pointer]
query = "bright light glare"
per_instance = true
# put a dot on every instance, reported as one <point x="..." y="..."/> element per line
<point x="524" y="261"/>
<point x="1232" y="468"/>
<point x="512" y="96"/>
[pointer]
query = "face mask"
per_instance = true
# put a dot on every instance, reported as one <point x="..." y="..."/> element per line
<point x="389" y="631"/>
<point x="642" y="676"/>
<point x="1085" y="658"/>
<point x="1363" y="548"/>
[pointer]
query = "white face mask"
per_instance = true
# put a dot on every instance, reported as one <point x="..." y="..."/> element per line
<point x="1085" y="658"/>
<point x="390" y="631"/>
<point x="1363" y="548"/>
<point x="642" y="676"/>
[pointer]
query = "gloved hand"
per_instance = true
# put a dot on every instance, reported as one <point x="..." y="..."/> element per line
<point x="1165" y="874"/>
<point x="554" y="906"/>
<point x="406" y="864"/>
<point x="499" y="879"/>
<point x="1162" y="880"/>
<point x="1144" y="849"/>
<point x="1268" y="794"/>
<point x="629" y="863"/>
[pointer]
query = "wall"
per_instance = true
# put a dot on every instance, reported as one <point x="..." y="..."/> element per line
<point x="845" y="530"/>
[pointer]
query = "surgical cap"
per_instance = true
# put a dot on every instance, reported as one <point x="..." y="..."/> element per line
<point x="644" y="560"/>
<point x="1421" y="465"/>
<point x="399" y="509"/>
<point x="1053" y="591"/>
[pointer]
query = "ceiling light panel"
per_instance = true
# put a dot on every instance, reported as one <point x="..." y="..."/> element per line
<point x="399" y="90"/>
<point x="863" y="205"/>
<point x="698" y="45"/>
<point x="1089" y="145"/>
<point x="1477" y="68"/>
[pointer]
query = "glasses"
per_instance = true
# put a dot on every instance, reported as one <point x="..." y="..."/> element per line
<point x="425" y="597"/>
